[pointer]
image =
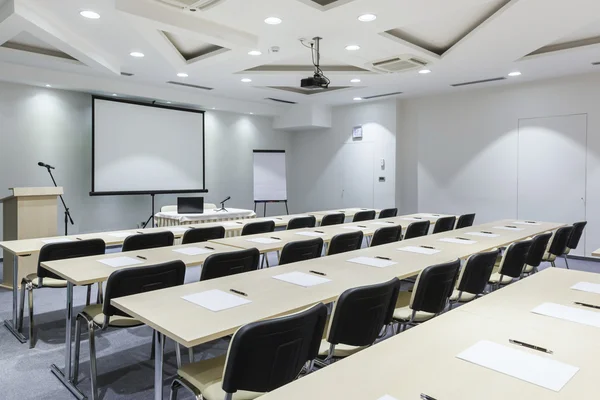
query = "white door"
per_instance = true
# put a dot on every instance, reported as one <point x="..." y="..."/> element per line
<point x="552" y="170"/>
<point x="357" y="175"/>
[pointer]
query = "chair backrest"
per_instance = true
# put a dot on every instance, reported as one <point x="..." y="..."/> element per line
<point x="387" y="234"/>
<point x="434" y="286"/>
<point x="361" y="312"/>
<point x="265" y="355"/>
<point x="145" y="241"/>
<point x="135" y="280"/>
<point x="576" y="233"/>
<point x="476" y="272"/>
<point x="254" y="228"/>
<point x="345" y="242"/>
<point x="364" y="216"/>
<point x="538" y="247"/>
<point x="514" y="257"/>
<point x="558" y="244"/>
<point x="417" y="229"/>
<point x="333" y="219"/>
<point x="64" y="250"/>
<point x="465" y="220"/>
<point x="197" y="235"/>
<point x="301" y="250"/>
<point x="444" y="224"/>
<point x="302" y="222"/>
<point x="230" y="263"/>
<point x="388" y="212"/>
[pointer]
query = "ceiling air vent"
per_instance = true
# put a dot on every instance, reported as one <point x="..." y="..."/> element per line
<point x="126" y="74"/>
<point x="596" y="63"/>
<point x="478" y="82"/>
<point x="189" y="85"/>
<point x="398" y="64"/>
<point x="377" y="96"/>
<point x="280" y="100"/>
<point x="192" y="5"/>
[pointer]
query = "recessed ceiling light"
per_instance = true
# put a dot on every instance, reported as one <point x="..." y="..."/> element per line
<point x="514" y="73"/>
<point x="273" y="21"/>
<point x="48" y="85"/>
<point x="246" y="80"/>
<point x="356" y="80"/>
<point x="214" y="108"/>
<point x="114" y="94"/>
<point x="357" y="99"/>
<point x="168" y="102"/>
<point x="254" y="53"/>
<point x="367" y="17"/>
<point x="89" y="14"/>
<point x="424" y="71"/>
<point x="251" y="113"/>
<point x="353" y="47"/>
<point x="136" y="54"/>
<point x="182" y="75"/>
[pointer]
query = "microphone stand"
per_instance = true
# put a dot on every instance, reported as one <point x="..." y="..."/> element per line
<point x="222" y="207"/>
<point x="67" y="212"/>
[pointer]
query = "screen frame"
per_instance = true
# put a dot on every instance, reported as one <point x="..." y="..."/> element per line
<point x="93" y="192"/>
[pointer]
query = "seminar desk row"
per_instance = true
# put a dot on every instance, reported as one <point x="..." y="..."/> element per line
<point x="424" y="359"/>
<point x="168" y="313"/>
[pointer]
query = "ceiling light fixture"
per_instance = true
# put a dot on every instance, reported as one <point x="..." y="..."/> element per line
<point x="357" y="99"/>
<point x="246" y="80"/>
<point x="356" y="80"/>
<point x="168" y="102"/>
<point x="254" y="53"/>
<point x="114" y="94"/>
<point x="352" y="47"/>
<point x="514" y="73"/>
<point x="367" y="17"/>
<point x="273" y="21"/>
<point x="182" y="75"/>
<point x="89" y="14"/>
<point x="424" y="71"/>
<point x="136" y="54"/>
<point x="251" y="113"/>
<point x="48" y="85"/>
<point x="214" y="108"/>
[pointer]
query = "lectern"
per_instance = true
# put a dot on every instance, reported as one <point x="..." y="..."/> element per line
<point x="29" y="213"/>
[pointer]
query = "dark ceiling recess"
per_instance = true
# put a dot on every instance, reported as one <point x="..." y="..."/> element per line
<point x="189" y="85"/>
<point x="377" y="96"/>
<point x="478" y="82"/>
<point x="126" y="74"/>
<point x="280" y="100"/>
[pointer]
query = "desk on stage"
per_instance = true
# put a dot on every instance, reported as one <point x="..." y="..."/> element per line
<point x="170" y="218"/>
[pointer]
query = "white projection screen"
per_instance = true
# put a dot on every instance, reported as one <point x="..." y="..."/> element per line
<point x="270" y="183"/>
<point x="146" y="149"/>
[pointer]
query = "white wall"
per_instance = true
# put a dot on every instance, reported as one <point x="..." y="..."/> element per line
<point x="467" y="146"/>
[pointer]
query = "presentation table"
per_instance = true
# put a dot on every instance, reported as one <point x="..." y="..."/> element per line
<point x="596" y="253"/>
<point x="170" y="218"/>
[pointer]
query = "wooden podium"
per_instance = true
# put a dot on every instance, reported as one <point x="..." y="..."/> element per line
<point x="29" y="213"/>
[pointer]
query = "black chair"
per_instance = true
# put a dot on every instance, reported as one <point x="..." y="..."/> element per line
<point x="230" y="263"/>
<point x="511" y="265"/>
<point x="388" y="212"/>
<point x="536" y="252"/>
<point x="345" y="242"/>
<point x="302" y="222"/>
<point x="574" y="239"/>
<point x="430" y="294"/>
<point x="474" y="277"/>
<point x="364" y="216"/>
<point x="385" y="235"/>
<point x="301" y="250"/>
<point x="333" y="219"/>
<point x="198" y="235"/>
<point x="465" y="221"/>
<point x="360" y="315"/>
<point x="558" y="244"/>
<point x="124" y="282"/>
<point x="146" y="241"/>
<point x="417" y="229"/>
<point x="444" y="224"/>
<point x="254" y="228"/>
<point x="262" y="356"/>
<point x="46" y="279"/>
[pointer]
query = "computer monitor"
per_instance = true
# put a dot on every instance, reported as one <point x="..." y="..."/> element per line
<point x="190" y="205"/>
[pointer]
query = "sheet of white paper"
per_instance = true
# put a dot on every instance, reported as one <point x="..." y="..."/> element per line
<point x="420" y="250"/>
<point x="372" y="262"/>
<point x="177" y="229"/>
<point x="232" y="224"/>
<point x="508" y="228"/>
<point x="264" y="240"/>
<point x="383" y="223"/>
<point x="525" y="223"/>
<point x="302" y="279"/>
<point x="117" y="262"/>
<point x="193" y="251"/>
<point x="430" y="215"/>
<point x="587" y="287"/>
<point x="313" y="234"/>
<point x="353" y="227"/>
<point x="121" y="234"/>
<point x="57" y="240"/>
<point x="481" y="234"/>
<point x="387" y="397"/>
<point x="216" y="300"/>
<point x="457" y="241"/>
<point x="572" y="314"/>
<point x="539" y="370"/>
<point x="412" y="219"/>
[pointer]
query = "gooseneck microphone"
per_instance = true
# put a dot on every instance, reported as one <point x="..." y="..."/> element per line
<point x="41" y="164"/>
<point x="228" y="197"/>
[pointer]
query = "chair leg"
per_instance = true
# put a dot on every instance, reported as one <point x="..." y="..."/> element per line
<point x="31" y="322"/>
<point x="191" y="354"/>
<point x="262" y="262"/>
<point x="178" y="354"/>
<point x="89" y="295"/>
<point x="175" y="386"/>
<point x="22" y="309"/>
<point x="566" y="262"/>
<point x="553" y="264"/>
<point x="266" y="256"/>
<point x="100" y="295"/>
<point x="77" y="350"/>
<point x="93" y="370"/>
<point x="152" y="349"/>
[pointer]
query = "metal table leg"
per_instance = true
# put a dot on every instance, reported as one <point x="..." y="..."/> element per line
<point x="65" y="377"/>
<point x="12" y="325"/>
<point x="159" y="339"/>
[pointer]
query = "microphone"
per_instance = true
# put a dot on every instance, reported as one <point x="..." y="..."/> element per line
<point x="228" y="197"/>
<point x="41" y="164"/>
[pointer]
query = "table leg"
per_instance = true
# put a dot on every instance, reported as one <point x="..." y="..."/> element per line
<point x="11" y="325"/>
<point x="159" y="339"/>
<point x="65" y="376"/>
<point x="265" y="209"/>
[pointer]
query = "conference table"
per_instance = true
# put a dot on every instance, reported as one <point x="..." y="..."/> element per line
<point x="596" y="253"/>
<point x="423" y="360"/>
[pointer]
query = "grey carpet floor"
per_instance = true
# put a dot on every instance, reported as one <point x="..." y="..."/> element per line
<point x="125" y="370"/>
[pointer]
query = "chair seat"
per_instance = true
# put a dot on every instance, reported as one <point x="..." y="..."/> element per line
<point x="496" y="277"/>
<point x="341" y="350"/>
<point x="528" y="269"/>
<point x="404" y="314"/>
<point x="48" y="282"/>
<point x="95" y="311"/>
<point x="548" y="257"/>
<point x="207" y="376"/>
<point x="464" y="298"/>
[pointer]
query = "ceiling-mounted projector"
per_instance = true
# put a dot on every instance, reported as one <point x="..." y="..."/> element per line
<point x="318" y="81"/>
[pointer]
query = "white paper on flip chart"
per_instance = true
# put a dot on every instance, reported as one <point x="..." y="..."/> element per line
<point x="57" y="240"/>
<point x="307" y="233"/>
<point x="372" y="262"/>
<point x="482" y="234"/>
<point x="508" y="228"/>
<point x="420" y="250"/>
<point x="121" y="234"/>
<point x="536" y="369"/>
<point x="302" y="279"/>
<point x="178" y="229"/>
<point x="572" y="314"/>
<point x="193" y="251"/>
<point x="216" y="300"/>
<point x="264" y="240"/>
<point x="587" y="287"/>
<point x="533" y="223"/>
<point x="117" y="262"/>
<point x="457" y="241"/>
<point x="387" y="397"/>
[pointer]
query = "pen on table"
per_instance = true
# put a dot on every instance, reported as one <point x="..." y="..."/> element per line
<point x="383" y="258"/>
<point x="318" y="273"/>
<point x="239" y="223"/>
<point x="210" y="248"/>
<point x="530" y="222"/>
<point x="489" y="233"/>
<point x="428" y="247"/>
<point x="530" y="346"/>
<point x="142" y="257"/>
<point x="462" y="238"/>
<point x="417" y="218"/>
<point x="79" y="238"/>
<point x="139" y="232"/>
<point x="319" y="231"/>
<point x="238" y="292"/>
<point x="361" y="226"/>
<point x="276" y="238"/>
<point x="426" y="397"/>
<point x="510" y="226"/>
<point x="587" y="305"/>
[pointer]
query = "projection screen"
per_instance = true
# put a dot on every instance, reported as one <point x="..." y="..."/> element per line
<point x="144" y="149"/>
